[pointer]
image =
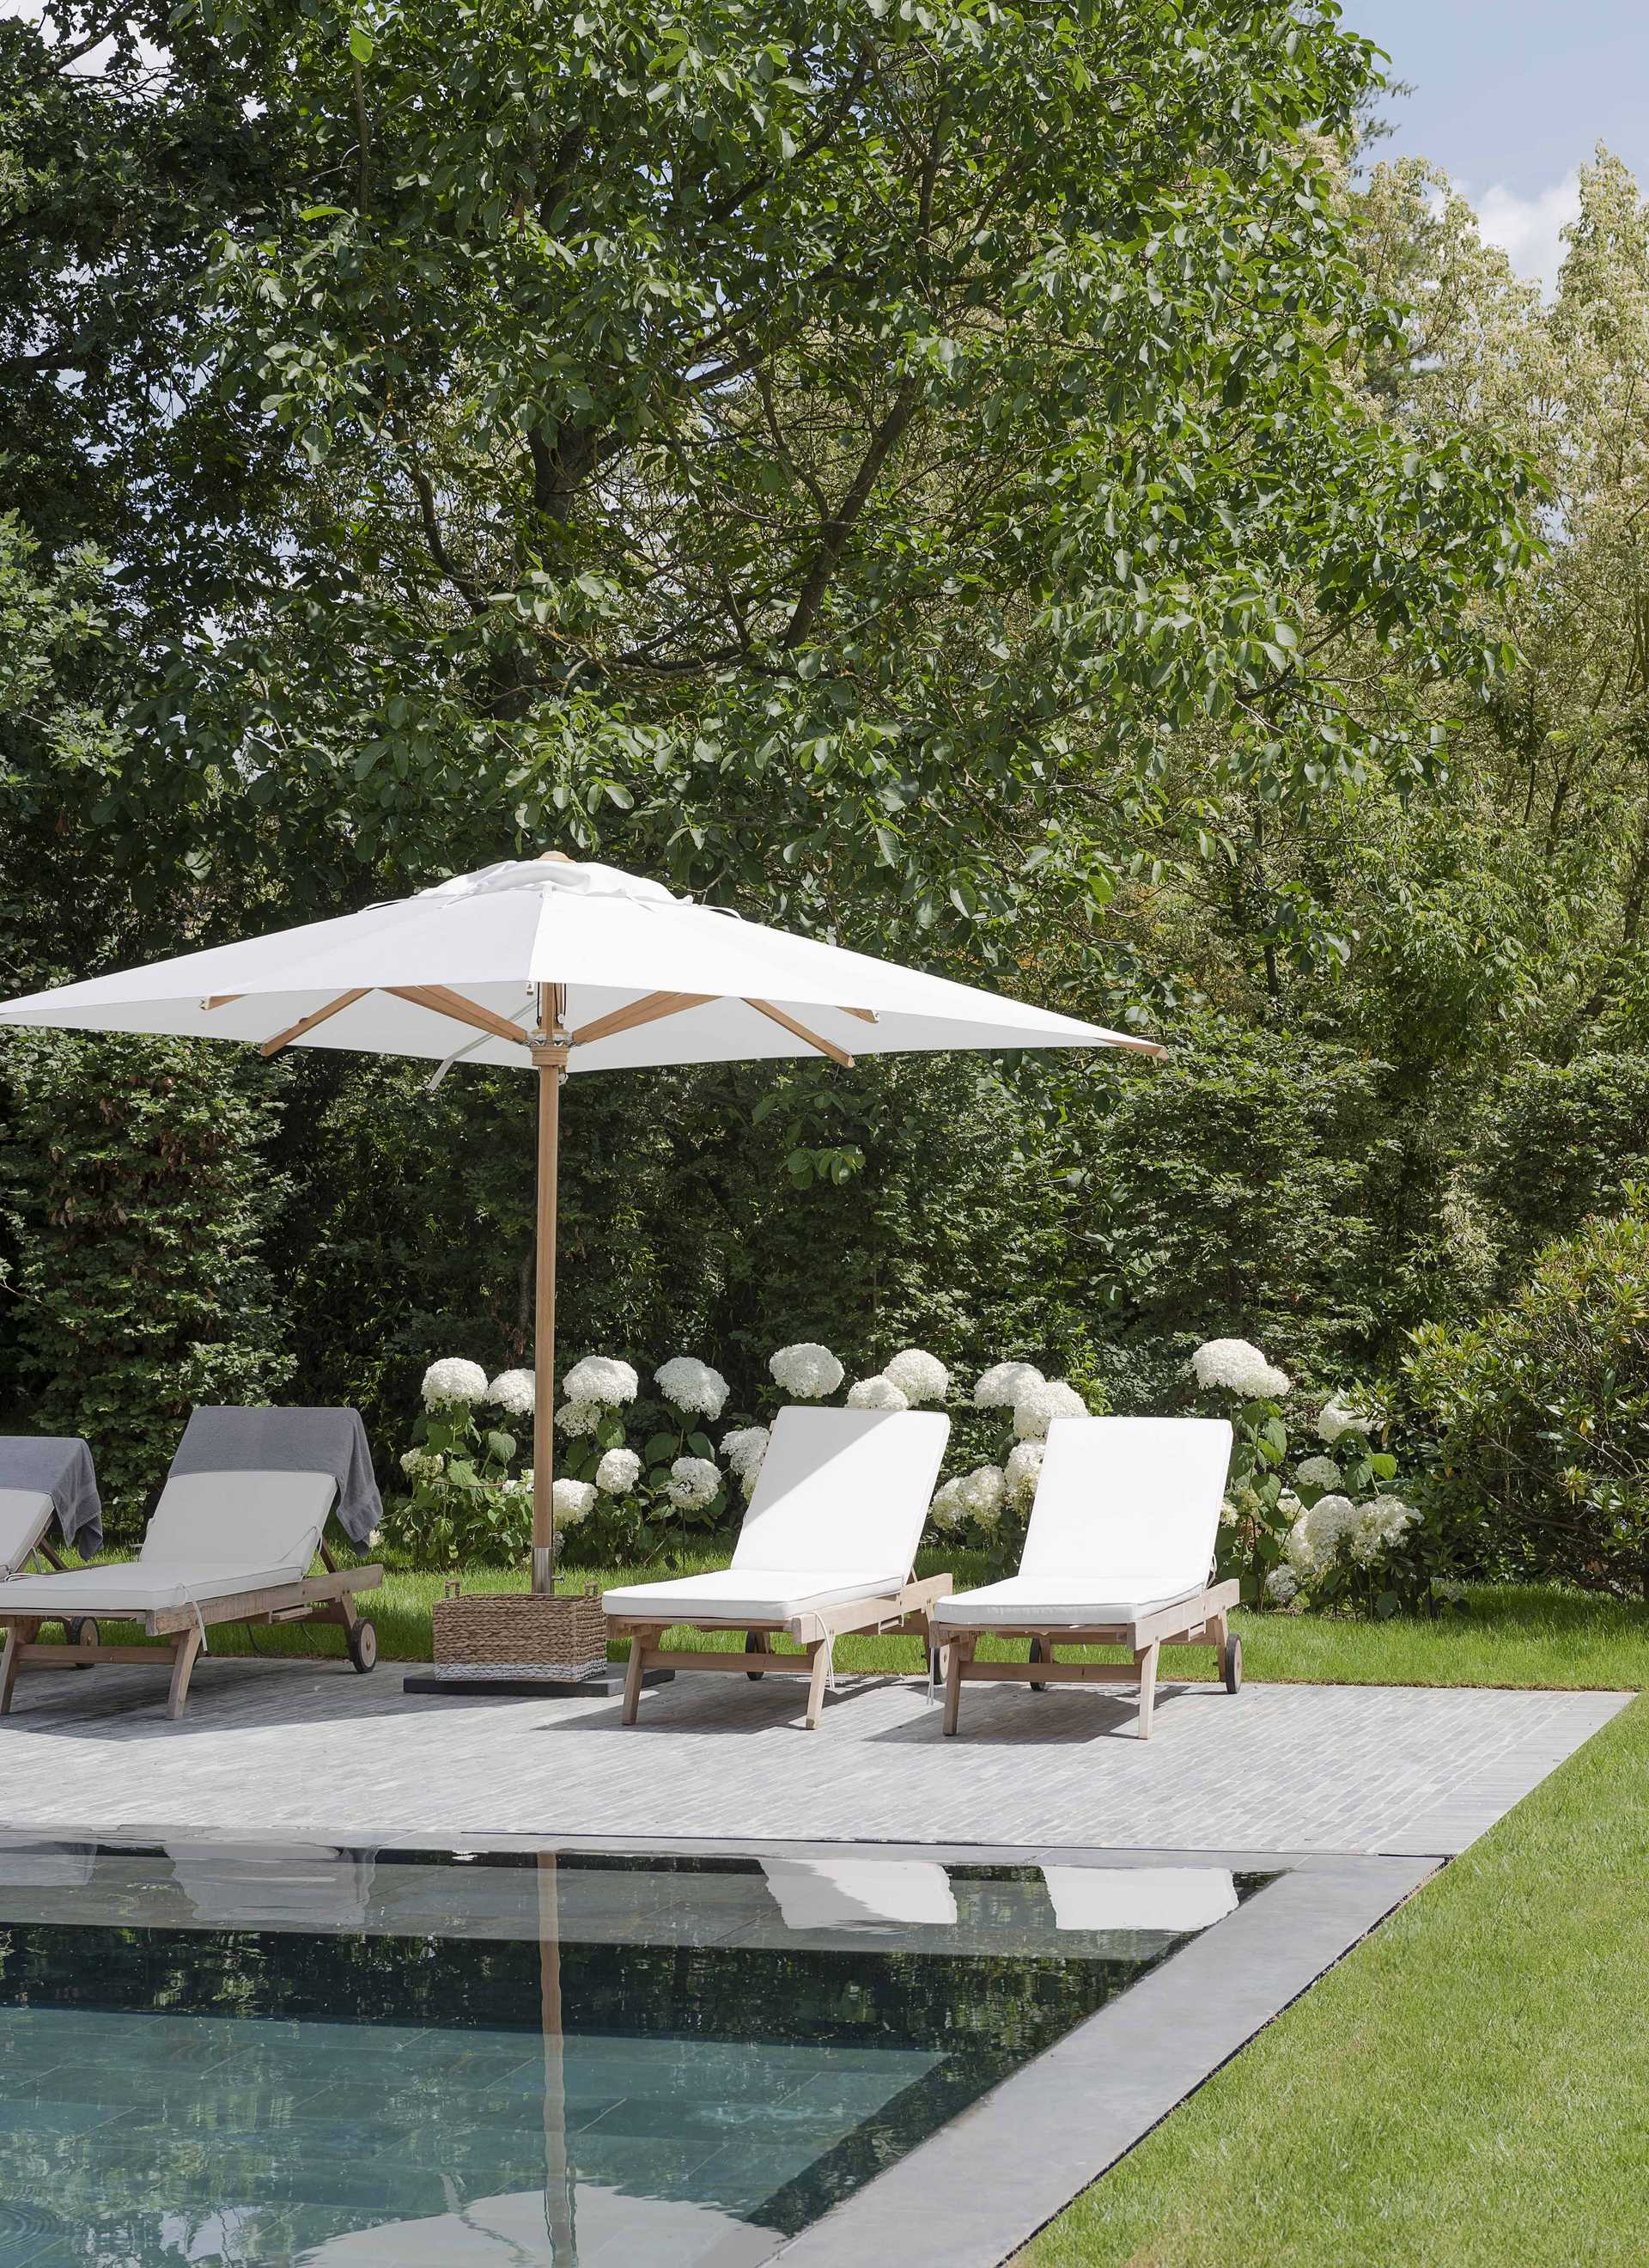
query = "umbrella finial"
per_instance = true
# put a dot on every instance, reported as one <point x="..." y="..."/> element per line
<point x="555" y="858"/>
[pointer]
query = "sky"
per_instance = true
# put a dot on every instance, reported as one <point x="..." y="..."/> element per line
<point x="1510" y="97"/>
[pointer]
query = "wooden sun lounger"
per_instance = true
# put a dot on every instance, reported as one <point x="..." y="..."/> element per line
<point x="827" y="1546"/>
<point x="126" y="1593"/>
<point x="1117" y="1552"/>
<point x="904" y="1610"/>
<point x="327" y="1598"/>
<point x="1201" y="1621"/>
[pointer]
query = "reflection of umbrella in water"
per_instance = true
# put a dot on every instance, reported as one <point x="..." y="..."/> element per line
<point x="526" y="2230"/>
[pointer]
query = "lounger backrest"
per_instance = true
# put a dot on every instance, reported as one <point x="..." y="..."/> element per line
<point x="263" y="1521"/>
<point x="1132" y="1503"/>
<point x="25" y="1515"/>
<point x="844" y="1489"/>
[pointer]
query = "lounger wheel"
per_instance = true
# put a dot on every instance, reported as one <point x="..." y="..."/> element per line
<point x="1231" y="1662"/>
<point x="83" y="1630"/>
<point x="1038" y="1653"/>
<point x="755" y="1642"/>
<point x="363" y="1641"/>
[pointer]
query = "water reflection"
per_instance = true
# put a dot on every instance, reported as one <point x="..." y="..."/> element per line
<point x="290" y="2053"/>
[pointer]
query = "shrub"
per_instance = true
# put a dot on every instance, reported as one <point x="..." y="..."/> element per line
<point x="1539" y="1415"/>
<point x="139" y="1206"/>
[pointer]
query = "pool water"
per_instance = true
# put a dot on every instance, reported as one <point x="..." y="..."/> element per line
<point x="288" y="2054"/>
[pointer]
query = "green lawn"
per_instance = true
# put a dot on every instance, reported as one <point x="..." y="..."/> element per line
<point x="1509" y="1635"/>
<point x="1469" y="2088"/>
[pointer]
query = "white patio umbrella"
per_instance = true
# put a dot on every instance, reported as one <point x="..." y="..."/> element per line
<point x="551" y="965"/>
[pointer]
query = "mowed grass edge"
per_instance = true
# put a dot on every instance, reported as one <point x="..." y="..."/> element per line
<point x="1468" y="2089"/>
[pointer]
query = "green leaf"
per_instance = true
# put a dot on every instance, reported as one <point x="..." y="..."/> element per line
<point x="361" y="43"/>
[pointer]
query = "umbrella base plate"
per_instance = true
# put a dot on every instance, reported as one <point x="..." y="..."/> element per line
<point x="605" y="1684"/>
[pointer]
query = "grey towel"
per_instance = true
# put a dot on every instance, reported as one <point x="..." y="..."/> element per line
<point x="60" y="1467"/>
<point x="220" y="1441"/>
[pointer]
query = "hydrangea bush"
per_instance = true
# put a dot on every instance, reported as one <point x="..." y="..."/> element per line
<point x="640" y="1471"/>
<point x="1330" y="1532"/>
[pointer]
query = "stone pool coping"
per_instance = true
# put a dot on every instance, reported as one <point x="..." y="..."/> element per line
<point x="974" y="2193"/>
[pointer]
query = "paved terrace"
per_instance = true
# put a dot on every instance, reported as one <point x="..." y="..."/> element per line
<point x="277" y="1749"/>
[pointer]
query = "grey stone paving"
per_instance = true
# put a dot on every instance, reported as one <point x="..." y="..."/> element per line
<point x="274" y="1749"/>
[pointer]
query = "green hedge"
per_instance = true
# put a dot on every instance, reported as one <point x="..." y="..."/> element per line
<point x="1539" y="1415"/>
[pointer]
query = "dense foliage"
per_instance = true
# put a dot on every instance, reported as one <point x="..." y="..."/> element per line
<point x="996" y="485"/>
<point x="1540" y="1414"/>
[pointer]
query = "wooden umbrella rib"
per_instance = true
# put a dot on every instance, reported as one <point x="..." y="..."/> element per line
<point x="825" y="1046"/>
<point x="647" y="1010"/>
<point x="443" y="1002"/>
<point x="308" y="1023"/>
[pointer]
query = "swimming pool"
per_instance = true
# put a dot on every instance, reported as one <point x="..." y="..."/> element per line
<point x="245" y="2054"/>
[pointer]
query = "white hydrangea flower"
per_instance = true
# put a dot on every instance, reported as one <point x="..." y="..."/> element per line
<point x="807" y="1371"/>
<point x="1300" y="1551"/>
<point x="576" y="1419"/>
<point x="1023" y="1471"/>
<point x="602" y="1379"/>
<point x="1229" y="1514"/>
<point x="1036" y="1410"/>
<point x="688" y="1384"/>
<point x="1335" y="1419"/>
<point x="1282" y="1585"/>
<point x="982" y="1493"/>
<point x="618" y="1472"/>
<point x="1381" y="1522"/>
<point x="422" y="1465"/>
<point x="743" y="1449"/>
<point x="1451" y="1592"/>
<point x="515" y="1392"/>
<point x="921" y="1378"/>
<point x="1318" y="1472"/>
<point x="1005" y="1383"/>
<point x="947" y="1510"/>
<point x="1240" y="1368"/>
<point x="451" y="1380"/>
<point x="571" y="1500"/>
<point x="693" y="1482"/>
<point x="1327" y="1525"/>
<point x="877" y="1393"/>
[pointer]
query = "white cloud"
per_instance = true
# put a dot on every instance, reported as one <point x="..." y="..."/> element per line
<point x="1528" y="229"/>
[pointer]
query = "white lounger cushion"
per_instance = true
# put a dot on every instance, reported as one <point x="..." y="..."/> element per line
<point x="837" y="1513"/>
<point x="1143" y="1898"/>
<point x="1048" y="1602"/>
<point x="860" y="1893"/>
<point x="1125" y="1520"/>
<point x="139" y="1588"/>
<point x="25" y="1516"/>
<point x="741" y="1595"/>
<point x="212" y="1534"/>
<point x="843" y="1488"/>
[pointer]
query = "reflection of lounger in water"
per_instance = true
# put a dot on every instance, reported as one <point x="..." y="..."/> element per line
<point x="1160" y="1899"/>
<point x="28" y="1864"/>
<point x="824" y="1893"/>
<point x="614" y="2229"/>
<point x="259" y="1885"/>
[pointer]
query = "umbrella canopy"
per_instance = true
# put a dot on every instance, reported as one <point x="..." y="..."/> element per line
<point x="551" y="965"/>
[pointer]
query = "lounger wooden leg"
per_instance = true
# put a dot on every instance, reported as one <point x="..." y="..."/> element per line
<point x="1145" y="1663"/>
<point x="1042" y="1650"/>
<point x="633" y="1669"/>
<point x="953" y="1683"/>
<point x="819" y="1669"/>
<point x="185" y="1648"/>
<point x="18" y="1636"/>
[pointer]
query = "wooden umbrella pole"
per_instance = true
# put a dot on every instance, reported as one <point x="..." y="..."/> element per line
<point x="549" y="1053"/>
